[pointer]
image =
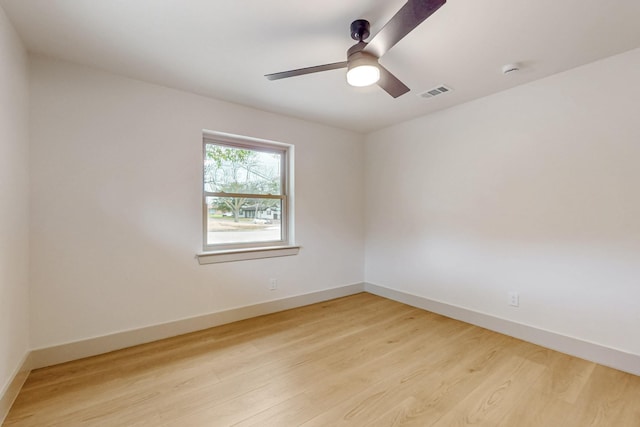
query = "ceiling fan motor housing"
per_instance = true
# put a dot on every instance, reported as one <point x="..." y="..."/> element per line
<point x="362" y="69"/>
<point x="359" y="58"/>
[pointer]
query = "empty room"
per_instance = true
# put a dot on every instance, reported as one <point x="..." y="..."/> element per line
<point x="276" y="213"/>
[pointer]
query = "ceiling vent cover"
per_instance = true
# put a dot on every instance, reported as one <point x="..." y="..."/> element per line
<point x="438" y="90"/>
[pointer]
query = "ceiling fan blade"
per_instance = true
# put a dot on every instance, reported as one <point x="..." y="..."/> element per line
<point x="308" y="70"/>
<point x="390" y="83"/>
<point x="412" y="14"/>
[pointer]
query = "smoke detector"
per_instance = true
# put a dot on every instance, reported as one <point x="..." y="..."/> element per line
<point x="510" y="68"/>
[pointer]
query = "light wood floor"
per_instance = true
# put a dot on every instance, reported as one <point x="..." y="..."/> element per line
<point x="360" y="361"/>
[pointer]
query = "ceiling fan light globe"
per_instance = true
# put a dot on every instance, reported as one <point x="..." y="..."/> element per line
<point x="363" y="75"/>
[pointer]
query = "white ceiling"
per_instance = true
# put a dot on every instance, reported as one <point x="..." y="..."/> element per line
<point x="223" y="48"/>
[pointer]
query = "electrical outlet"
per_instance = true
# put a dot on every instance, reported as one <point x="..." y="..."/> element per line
<point x="514" y="299"/>
<point x="273" y="284"/>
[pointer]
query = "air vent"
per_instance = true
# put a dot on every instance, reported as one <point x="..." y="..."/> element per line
<point x="438" y="90"/>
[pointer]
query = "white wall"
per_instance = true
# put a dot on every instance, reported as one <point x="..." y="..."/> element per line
<point x="116" y="206"/>
<point x="535" y="190"/>
<point x="532" y="190"/>
<point x="14" y="199"/>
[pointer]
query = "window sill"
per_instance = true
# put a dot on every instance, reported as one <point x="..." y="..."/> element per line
<point x="246" y="254"/>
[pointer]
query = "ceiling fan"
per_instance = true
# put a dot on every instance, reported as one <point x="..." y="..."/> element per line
<point x="363" y="68"/>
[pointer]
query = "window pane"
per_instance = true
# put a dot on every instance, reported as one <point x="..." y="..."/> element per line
<point x="243" y="220"/>
<point x="237" y="170"/>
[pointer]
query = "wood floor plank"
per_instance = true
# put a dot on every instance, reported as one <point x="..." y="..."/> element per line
<point x="501" y="391"/>
<point x="421" y="370"/>
<point x="605" y="397"/>
<point x="438" y="393"/>
<point x="566" y="377"/>
<point x="361" y="360"/>
<point x="541" y="409"/>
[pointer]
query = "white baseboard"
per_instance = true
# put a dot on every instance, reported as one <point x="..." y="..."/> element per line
<point x="593" y="352"/>
<point x="91" y="347"/>
<point x="10" y="392"/>
<point x="42" y="357"/>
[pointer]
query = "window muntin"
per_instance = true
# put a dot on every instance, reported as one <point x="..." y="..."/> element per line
<point x="245" y="200"/>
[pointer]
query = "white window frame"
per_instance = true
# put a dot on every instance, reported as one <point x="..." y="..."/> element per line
<point x="214" y="253"/>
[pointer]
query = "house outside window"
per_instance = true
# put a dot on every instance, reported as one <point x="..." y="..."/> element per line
<point x="246" y="193"/>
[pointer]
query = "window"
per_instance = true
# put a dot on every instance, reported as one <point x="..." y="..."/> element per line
<point x="246" y="197"/>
